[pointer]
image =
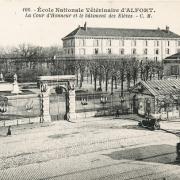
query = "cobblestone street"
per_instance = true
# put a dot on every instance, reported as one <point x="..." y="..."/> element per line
<point x="93" y="148"/>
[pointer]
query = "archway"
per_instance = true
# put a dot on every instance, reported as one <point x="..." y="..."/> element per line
<point x="65" y="82"/>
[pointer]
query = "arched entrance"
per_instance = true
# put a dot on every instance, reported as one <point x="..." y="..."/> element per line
<point x="65" y="83"/>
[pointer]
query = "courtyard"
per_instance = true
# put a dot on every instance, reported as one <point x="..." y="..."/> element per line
<point x="91" y="148"/>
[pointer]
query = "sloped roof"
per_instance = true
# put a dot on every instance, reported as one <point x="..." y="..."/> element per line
<point x="161" y="87"/>
<point x="174" y="56"/>
<point x="92" y="31"/>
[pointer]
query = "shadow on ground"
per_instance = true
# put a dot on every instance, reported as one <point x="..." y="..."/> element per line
<point x="165" y="154"/>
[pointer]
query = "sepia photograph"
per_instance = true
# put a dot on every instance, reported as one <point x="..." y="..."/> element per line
<point x="89" y="90"/>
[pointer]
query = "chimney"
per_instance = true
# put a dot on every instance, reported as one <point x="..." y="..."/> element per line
<point x="167" y="29"/>
<point x="85" y="26"/>
<point x="79" y="26"/>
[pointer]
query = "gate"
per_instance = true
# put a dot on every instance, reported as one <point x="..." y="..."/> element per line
<point x="57" y="105"/>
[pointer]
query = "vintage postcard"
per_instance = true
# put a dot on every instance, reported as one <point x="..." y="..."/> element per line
<point x="89" y="90"/>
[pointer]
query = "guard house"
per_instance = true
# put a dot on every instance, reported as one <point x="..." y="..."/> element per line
<point x="171" y="66"/>
<point x="159" y="98"/>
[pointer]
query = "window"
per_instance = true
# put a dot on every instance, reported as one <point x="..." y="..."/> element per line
<point x="145" y="51"/>
<point x="108" y="42"/>
<point x="64" y="43"/>
<point x="122" y="51"/>
<point x="145" y="43"/>
<point x="96" y="42"/>
<point x="72" y="51"/>
<point x="96" y="51"/>
<point x="156" y="59"/>
<point x="168" y="43"/>
<point x="133" y="42"/>
<point x="167" y="51"/>
<point x="68" y="51"/>
<point x="178" y="43"/>
<point x="134" y="51"/>
<point x="178" y="50"/>
<point x="157" y="51"/>
<point x="156" y="43"/>
<point x="174" y="70"/>
<point x="82" y="51"/>
<point x="121" y="42"/>
<point x="109" y="50"/>
<point x="72" y="42"/>
<point x="81" y="42"/>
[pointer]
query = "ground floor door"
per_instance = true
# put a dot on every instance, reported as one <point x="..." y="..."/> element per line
<point x="135" y="104"/>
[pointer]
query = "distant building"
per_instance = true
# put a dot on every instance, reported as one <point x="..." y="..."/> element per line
<point x="171" y="66"/>
<point x="161" y="98"/>
<point x="155" y="44"/>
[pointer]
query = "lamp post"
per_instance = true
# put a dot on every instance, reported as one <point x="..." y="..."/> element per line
<point x="29" y="108"/>
<point x="103" y="101"/>
<point x="84" y="103"/>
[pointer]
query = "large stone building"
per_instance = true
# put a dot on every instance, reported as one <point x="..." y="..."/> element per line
<point x="154" y="44"/>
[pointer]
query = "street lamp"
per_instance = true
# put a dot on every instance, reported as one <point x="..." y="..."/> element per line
<point x="103" y="101"/>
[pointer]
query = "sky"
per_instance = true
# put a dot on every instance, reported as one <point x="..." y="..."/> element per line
<point x="16" y="29"/>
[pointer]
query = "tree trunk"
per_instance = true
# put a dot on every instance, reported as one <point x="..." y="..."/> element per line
<point x="100" y="81"/>
<point x="91" y="78"/>
<point x="77" y="82"/>
<point x="95" y="83"/>
<point x="112" y="79"/>
<point x="106" y="81"/>
<point x="81" y="79"/>
<point x="128" y="81"/>
<point x="122" y="84"/>
<point x="115" y="78"/>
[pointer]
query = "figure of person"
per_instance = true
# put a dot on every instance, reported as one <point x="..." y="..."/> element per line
<point x="117" y="113"/>
<point x="9" y="131"/>
<point x="1" y="77"/>
<point x="15" y="77"/>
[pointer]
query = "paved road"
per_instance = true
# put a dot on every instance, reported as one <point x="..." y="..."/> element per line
<point x="94" y="148"/>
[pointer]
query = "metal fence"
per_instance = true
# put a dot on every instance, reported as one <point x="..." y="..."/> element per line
<point x="104" y="103"/>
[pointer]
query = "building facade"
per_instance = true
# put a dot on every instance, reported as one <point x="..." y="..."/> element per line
<point x="159" y="98"/>
<point x="154" y="44"/>
<point x="171" y="66"/>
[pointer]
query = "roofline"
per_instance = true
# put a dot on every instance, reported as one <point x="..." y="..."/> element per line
<point x="67" y="37"/>
<point x="145" y="85"/>
<point x="120" y="37"/>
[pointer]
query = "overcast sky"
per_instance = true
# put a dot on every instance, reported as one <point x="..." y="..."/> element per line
<point x="16" y="29"/>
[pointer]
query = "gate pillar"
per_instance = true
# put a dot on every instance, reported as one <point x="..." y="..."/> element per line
<point x="45" y="114"/>
<point x="72" y="102"/>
